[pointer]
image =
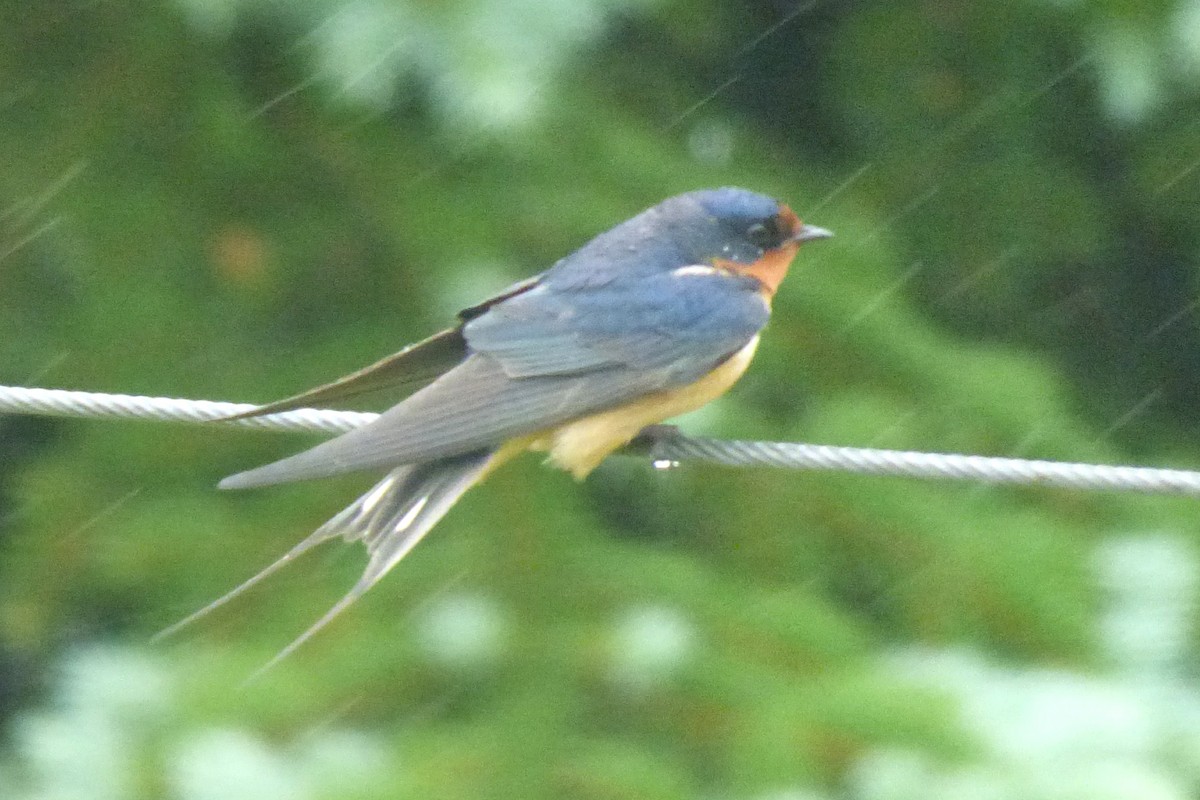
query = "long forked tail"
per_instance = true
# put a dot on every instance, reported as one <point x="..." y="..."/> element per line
<point x="389" y="520"/>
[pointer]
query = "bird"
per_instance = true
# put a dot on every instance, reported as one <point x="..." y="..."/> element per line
<point x="651" y="319"/>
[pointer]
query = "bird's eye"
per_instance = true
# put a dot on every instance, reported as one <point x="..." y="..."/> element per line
<point x="764" y="234"/>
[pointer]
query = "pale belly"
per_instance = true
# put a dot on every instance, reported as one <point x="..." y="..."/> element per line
<point x="579" y="446"/>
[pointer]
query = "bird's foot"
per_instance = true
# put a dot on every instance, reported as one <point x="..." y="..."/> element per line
<point x="651" y="441"/>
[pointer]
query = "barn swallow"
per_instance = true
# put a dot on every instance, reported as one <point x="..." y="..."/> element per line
<point x="651" y="319"/>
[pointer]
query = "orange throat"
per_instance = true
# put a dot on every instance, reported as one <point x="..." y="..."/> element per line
<point x="770" y="270"/>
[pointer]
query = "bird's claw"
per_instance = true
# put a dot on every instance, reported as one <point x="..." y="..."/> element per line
<point x="651" y="439"/>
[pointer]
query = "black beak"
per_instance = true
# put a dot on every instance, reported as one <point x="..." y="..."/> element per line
<point x="809" y="232"/>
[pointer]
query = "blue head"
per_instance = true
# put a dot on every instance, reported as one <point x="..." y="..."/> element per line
<point x="736" y="225"/>
<point x="728" y="227"/>
<point x="736" y="228"/>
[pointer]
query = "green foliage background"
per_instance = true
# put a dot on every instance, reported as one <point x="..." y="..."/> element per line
<point x="237" y="199"/>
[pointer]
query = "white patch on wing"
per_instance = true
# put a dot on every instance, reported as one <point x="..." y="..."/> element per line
<point x="694" y="269"/>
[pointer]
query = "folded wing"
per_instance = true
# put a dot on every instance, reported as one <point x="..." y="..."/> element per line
<point x="542" y="358"/>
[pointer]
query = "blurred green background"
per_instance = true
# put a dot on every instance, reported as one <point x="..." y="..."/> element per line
<point x="237" y="199"/>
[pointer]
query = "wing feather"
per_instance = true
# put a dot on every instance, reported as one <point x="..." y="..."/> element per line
<point x="649" y="323"/>
<point x="408" y="370"/>
<point x="541" y="358"/>
<point x="475" y="405"/>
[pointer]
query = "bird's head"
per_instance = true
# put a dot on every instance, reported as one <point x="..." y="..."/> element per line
<point x="732" y="230"/>
<point x="745" y="232"/>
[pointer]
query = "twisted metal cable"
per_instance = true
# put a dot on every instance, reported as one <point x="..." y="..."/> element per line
<point x="663" y="443"/>
<point x="94" y="405"/>
<point x="985" y="469"/>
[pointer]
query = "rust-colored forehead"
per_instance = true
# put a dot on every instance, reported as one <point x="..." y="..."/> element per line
<point x="789" y="218"/>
